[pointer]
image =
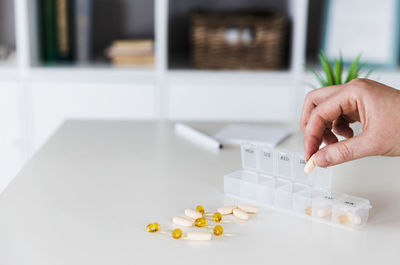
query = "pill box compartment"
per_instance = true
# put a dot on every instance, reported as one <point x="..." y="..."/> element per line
<point x="243" y="183"/>
<point x="285" y="164"/>
<point x="249" y="156"/>
<point x="266" y="159"/>
<point x="351" y="211"/>
<point x="266" y="189"/>
<point x="299" y="174"/>
<point x="284" y="193"/>
<point x="322" y="205"/>
<point x="303" y="200"/>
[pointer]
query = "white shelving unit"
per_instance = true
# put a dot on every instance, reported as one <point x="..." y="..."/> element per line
<point x="40" y="98"/>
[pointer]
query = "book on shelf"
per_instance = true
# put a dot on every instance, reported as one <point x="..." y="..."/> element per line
<point x="56" y="30"/>
<point x="83" y="29"/>
<point x="65" y="30"/>
<point x="131" y="52"/>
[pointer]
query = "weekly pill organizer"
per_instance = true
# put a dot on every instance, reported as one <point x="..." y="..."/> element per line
<point x="276" y="178"/>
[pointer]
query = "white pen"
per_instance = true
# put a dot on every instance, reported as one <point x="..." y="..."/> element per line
<point x="197" y="137"/>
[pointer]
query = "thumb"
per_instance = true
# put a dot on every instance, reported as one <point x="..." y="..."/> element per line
<point x="343" y="151"/>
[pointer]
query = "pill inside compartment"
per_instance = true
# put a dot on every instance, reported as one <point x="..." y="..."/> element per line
<point x="284" y="193"/>
<point x="266" y="189"/>
<point x="351" y="211"/>
<point x="300" y="175"/>
<point x="285" y="164"/>
<point x="322" y="205"/>
<point x="266" y="159"/>
<point x="249" y="156"/>
<point x="303" y="200"/>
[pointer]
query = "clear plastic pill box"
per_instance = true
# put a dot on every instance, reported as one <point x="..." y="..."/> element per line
<point x="276" y="178"/>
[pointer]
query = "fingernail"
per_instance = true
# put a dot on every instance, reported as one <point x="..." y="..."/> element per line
<point x="322" y="159"/>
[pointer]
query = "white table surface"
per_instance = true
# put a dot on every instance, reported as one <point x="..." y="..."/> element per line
<point x="88" y="194"/>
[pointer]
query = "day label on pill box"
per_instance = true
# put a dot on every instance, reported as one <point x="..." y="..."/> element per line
<point x="284" y="165"/>
<point x="266" y="160"/>
<point x="249" y="157"/>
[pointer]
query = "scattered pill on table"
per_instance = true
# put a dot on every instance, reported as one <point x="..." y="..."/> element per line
<point x="248" y="208"/>
<point x="193" y="213"/>
<point x="226" y="209"/>
<point x="218" y="230"/>
<point x="177" y="233"/>
<point x="242" y="215"/>
<point x="217" y="217"/>
<point x="198" y="235"/>
<point x="201" y="222"/>
<point x="182" y="221"/>
<point x="200" y="209"/>
<point x="153" y="227"/>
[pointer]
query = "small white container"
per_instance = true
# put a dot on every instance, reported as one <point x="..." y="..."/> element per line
<point x="303" y="200"/>
<point x="285" y="164"/>
<point x="323" y="204"/>
<point x="249" y="156"/>
<point x="243" y="183"/>
<point x="283" y="194"/>
<point x="266" y="159"/>
<point x="351" y="211"/>
<point x="299" y="174"/>
<point x="266" y="189"/>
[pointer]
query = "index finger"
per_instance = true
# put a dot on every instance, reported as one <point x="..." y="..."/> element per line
<point x="312" y="100"/>
<point x="320" y="118"/>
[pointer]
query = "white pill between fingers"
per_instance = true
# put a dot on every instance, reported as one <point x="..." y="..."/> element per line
<point x="199" y="235"/>
<point x="183" y="221"/>
<point x="248" y="208"/>
<point x="310" y="165"/>
<point x="324" y="212"/>
<point x="193" y="213"/>
<point x="242" y="215"/>
<point x="226" y="209"/>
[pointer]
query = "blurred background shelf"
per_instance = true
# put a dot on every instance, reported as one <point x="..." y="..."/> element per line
<point x="36" y="97"/>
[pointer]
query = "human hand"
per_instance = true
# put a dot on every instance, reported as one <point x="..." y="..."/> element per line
<point x="331" y="109"/>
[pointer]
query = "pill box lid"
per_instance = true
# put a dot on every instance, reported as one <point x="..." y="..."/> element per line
<point x="321" y="178"/>
<point x="354" y="202"/>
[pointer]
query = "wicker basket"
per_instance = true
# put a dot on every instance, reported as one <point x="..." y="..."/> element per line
<point x="238" y="41"/>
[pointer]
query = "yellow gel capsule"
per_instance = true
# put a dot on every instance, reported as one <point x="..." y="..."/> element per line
<point x="218" y="230"/>
<point x="200" y="222"/>
<point x="200" y="209"/>
<point x="177" y="233"/>
<point x="153" y="227"/>
<point x="217" y="217"/>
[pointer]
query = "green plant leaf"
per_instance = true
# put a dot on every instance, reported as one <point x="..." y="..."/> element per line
<point x="353" y="69"/>
<point x="327" y="68"/>
<point x="338" y="71"/>
<point x="317" y="75"/>
<point x="370" y="72"/>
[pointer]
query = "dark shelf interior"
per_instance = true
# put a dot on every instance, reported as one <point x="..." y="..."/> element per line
<point x="7" y="24"/>
<point x="179" y="19"/>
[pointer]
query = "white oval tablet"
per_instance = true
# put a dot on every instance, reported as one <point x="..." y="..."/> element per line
<point x="324" y="212"/>
<point x="242" y="215"/>
<point x="310" y="165"/>
<point x="198" y="235"/>
<point x="193" y="214"/>
<point x="226" y="209"/>
<point x="354" y="218"/>
<point x="248" y="208"/>
<point x="182" y="221"/>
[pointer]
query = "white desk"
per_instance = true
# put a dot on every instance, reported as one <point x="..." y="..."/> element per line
<point x="87" y="195"/>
